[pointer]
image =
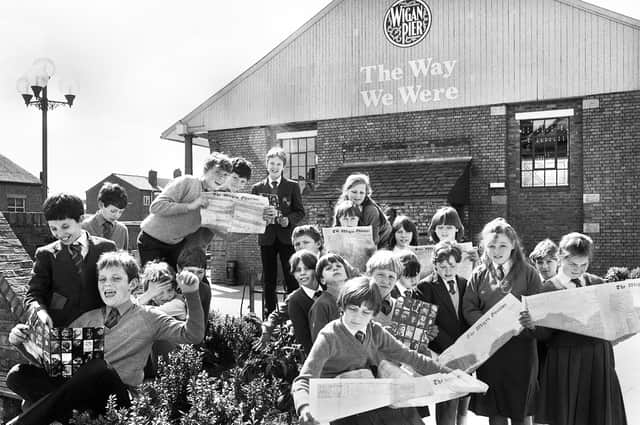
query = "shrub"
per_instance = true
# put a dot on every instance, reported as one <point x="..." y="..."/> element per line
<point x="616" y="274"/>
<point x="635" y="273"/>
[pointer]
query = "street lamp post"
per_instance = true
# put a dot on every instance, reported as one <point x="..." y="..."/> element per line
<point x="33" y="89"/>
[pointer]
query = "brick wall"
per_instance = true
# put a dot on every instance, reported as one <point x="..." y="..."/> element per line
<point x="31" y="229"/>
<point x="611" y="152"/>
<point x="15" y="271"/>
<point x="545" y="212"/>
<point x="32" y="194"/>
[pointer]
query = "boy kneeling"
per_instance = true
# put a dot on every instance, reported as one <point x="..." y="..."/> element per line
<point x="129" y="332"/>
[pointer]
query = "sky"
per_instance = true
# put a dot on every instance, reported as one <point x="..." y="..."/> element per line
<point x="139" y="66"/>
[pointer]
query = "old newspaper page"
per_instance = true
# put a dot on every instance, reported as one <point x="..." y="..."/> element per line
<point x="354" y="244"/>
<point x="605" y="311"/>
<point x="494" y="329"/>
<point x="331" y="399"/>
<point x="234" y="212"/>
<point x="465" y="267"/>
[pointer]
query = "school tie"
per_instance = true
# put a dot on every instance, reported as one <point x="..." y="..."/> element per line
<point x="112" y="318"/>
<point x="500" y="272"/>
<point x="576" y="282"/>
<point x="360" y="336"/>
<point x="274" y="185"/>
<point x="452" y="287"/>
<point x="317" y="294"/>
<point x="75" y="250"/>
<point x="107" y="229"/>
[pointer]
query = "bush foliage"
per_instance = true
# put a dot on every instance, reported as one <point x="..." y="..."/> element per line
<point x="223" y="381"/>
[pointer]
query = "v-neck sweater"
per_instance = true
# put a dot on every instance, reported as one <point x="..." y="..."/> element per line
<point x="336" y="350"/>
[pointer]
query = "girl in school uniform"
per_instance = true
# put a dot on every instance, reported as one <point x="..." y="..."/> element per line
<point x="331" y="273"/>
<point x="446" y="226"/>
<point x="578" y="383"/>
<point x="512" y="371"/>
<point x="355" y="342"/>
<point x="403" y="234"/>
<point x="357" y="189"/>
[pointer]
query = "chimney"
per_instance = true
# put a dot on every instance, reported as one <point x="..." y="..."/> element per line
<point x="153" y="178"/>
<point x="177" y="173"/>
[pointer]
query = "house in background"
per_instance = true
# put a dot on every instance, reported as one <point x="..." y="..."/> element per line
<point x="141" y="191"/>
<point x="20" y="191"/>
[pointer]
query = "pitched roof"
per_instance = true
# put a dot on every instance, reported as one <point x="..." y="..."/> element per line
<point x="407" y="179"/>
<point x="12" y="172"/>
<point x="142" y="182"/>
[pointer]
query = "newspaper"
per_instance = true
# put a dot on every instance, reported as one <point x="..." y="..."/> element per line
<point x="354" y="244"/>
<point x="332" y="399"/>
<point x="494" y="329"/>
<point x="234" y="212"/>
<point x="465" y="267"/>
<point x="424" y="254"/>
<point x="605" y="311"/>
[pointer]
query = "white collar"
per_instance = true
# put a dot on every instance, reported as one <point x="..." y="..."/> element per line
<point x="506" y="267"/>
<point x="401" y="288"/>
<point x="83" y="239"/>
<point x="310" y="292"/>
<point x="565" y="281"/>
<point x="278" y="180"/>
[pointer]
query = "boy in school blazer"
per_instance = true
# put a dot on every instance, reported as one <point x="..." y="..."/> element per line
<point x="446" y="289"/>
<point x="64" y="281"/>
<point x="276" y="239"/>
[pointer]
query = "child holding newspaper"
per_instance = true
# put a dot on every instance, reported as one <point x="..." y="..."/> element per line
<point x="512" y="371"/>
<point x="578" y="383"/>
<point x="354" y="342"/>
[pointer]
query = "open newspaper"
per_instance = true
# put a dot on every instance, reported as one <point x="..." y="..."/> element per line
<point x="354" y="244"/>
<point x="609" y="311"/>
<point x="332" y="399"/>
<point x="465" y="267"/>
<point x="494" y="329"/>
<point x="234" y="212"/>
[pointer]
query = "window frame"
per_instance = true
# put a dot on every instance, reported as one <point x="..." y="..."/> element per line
<point x="15" y="208"/>
<point x="544" y="116"/>
<point x="294" y="155"/>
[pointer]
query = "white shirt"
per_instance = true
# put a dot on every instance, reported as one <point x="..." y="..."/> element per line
<point x="354" y="331"/>
<point x="277" y="181"/>
<point x="401" y="289"/>
<point x="565" y="281"/>
<point x="310" y="292"/>
<point x="455" y="297"/>
<point x="83" y="240"/>
<point x="506" y="267"/>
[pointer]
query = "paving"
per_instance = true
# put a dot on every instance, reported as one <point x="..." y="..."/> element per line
<point x="234" y="300"/>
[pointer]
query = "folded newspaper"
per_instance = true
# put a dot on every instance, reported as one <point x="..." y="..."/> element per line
<point x="608" y="311"/>
<point x="61" y="351"/>
<point x="490" y="332"/>
<point x="234" y="212"/>
<point x="332" y="399"/>
<point x="354" y="244"/>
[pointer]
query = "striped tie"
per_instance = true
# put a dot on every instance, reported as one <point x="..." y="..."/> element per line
<point x="76" y="255"/>
<point x="107" y="229"/>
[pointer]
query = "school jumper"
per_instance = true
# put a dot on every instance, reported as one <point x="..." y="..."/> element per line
<point x="337" y="350"/>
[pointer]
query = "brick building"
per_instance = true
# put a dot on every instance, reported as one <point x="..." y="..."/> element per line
<point x="141" y="191"/>
<point x="20" y="191"/>
<point x="520" y="109"/>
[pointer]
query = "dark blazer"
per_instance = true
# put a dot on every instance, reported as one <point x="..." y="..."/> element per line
<point x="298" y="306"/>
<point x="290" y="206"/>
<point x="57" y="286"/>
<point x="450" y="325"/>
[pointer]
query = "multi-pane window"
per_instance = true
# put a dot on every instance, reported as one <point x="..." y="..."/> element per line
<point x="16" y="204"/>
<point x="301" y="149"/>
<point x="146" y="200"/>
<point x="544" y="152"/>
